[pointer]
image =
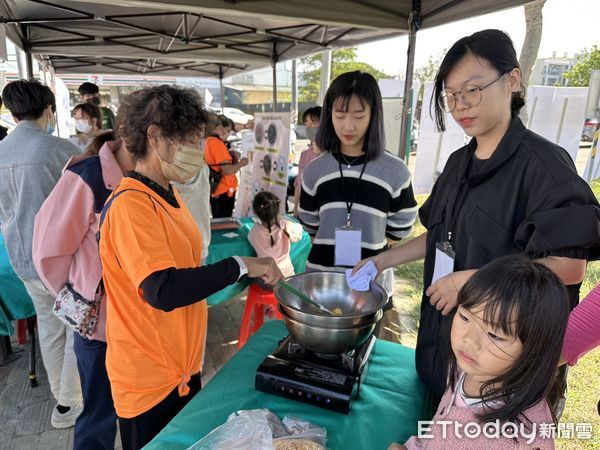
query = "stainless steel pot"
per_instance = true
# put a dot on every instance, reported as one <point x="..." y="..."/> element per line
<point x="327" y="321"/>
<point x="330" y="290"/>
<point x="329" y="340"/>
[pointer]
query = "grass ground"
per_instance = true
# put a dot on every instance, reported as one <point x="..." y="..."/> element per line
<point x="584" y="378"/>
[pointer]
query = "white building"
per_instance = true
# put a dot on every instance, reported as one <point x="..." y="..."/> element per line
<point x="550" y="71"/>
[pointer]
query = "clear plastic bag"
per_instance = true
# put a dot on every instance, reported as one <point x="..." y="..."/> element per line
<point x="260" y="429"/>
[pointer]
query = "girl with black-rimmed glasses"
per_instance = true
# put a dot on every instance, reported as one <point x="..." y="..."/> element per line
<point x="508" y="190"/>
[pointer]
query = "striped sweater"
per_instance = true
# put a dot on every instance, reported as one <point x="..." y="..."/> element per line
<point x="384" y="205"/>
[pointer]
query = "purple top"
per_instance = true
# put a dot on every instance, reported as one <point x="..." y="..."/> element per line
<point x="583" y="331"/>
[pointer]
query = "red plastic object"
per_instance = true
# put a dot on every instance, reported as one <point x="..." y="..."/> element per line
<point x="258" y="298"/>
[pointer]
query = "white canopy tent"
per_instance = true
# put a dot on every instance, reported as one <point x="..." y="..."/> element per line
<point x="217" y="38"/>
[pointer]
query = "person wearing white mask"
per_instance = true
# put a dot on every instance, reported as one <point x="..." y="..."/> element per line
<point x="150" y="248"/>
<point x="88" y="124"/>
<point x="310" y="119"/>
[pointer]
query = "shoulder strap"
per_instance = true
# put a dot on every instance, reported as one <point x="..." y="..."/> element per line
<point x="107" y="207"/>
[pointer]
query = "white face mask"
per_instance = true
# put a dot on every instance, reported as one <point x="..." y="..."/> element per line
<point x="82" y="125"/>
<point x="185" y="166"/>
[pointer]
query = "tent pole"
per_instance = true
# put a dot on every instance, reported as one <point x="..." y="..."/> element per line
<point x="325" y="75"/>
<point x="294" y="105"/>
<point x="274" y="87"/>
<point x="414" y="22"/>
<point x="274" y="58"/>
<point x="222" y="89"/>
<point x="29" y="62"/>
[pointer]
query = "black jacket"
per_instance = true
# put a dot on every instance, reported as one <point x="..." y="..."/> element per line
<point x="527" y="198"/>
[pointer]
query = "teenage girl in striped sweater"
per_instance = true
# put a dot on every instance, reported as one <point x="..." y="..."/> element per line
<point x="355" y="184"/>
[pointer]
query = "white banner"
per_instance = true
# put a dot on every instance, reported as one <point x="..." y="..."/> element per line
<point x="555" y="113"/>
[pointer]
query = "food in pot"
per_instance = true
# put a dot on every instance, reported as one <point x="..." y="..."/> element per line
<point x="337" y="312"/>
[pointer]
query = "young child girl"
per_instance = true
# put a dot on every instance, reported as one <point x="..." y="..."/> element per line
<point x="273" y="235"/>
<point x="506" y="340"/>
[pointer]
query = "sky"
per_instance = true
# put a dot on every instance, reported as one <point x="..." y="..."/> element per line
<point x="568" y="26"/>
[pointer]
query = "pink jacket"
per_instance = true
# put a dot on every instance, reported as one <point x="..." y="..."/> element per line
<point x="261" y="242"/>
<point x="64" y="235"/>
<point x="454" y="410"/>
<point x="583" y="328"/>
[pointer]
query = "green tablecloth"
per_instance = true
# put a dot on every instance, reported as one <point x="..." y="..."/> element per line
<point x="390" y="404"/>
<point x="14" y="301"/>
<point x="222" y="247"/>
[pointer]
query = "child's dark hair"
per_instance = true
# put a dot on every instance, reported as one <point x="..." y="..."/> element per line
<point x="266" y="208"/>
<point x="365" y="87"/>
<point x="527" y="300"/>
<point x="494" y="46"/>
<point x="314" y="113"/>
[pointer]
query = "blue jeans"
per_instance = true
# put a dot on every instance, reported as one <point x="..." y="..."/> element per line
<point x="96" y="427"/>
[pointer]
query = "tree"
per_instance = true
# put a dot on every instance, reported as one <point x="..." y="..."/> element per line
<point x="342" y="60"/>
<point x="531" y="44"/>
<point x="580" y="73"/>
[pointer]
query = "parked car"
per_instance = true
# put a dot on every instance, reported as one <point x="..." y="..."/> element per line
<point x="237" y="115"/>
<point x="589" y="127"/>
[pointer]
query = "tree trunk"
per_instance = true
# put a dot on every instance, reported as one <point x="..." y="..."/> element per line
<point x="531" y="45"/>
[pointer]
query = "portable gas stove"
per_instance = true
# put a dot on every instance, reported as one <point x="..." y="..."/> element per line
<point x="328" y="381"/>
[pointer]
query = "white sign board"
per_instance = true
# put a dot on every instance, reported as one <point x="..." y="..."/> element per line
<point x="268" y="167"/>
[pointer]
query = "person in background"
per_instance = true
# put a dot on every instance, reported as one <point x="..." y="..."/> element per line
<point x="65" y="250"/>
<point x="217" y="157"/>
<point x="224" y="131"/>
<point x="31" y="163"/>
<point x="505" y="344"/>
<point x="150" y="248"/>
<point x="196" y="196"/>
<point x="274" y="235"/>
<point x="90" y="93"/>
<point x="310" y="118"/>
<point x="88" y="124"/>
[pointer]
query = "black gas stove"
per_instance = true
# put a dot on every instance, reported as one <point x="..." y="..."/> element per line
<point x="328" y="381"/>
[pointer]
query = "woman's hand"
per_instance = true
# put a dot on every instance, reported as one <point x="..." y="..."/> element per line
<point x="264" y="268"/>
<point x="377" y="260"/>
<point x="443" y="294"/>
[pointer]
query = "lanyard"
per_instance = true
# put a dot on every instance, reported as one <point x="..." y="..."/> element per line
<point x="351" y="203"/>
<point x="453" y="207"/>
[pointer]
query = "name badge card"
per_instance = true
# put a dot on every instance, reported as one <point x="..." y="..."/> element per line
<point x="347" y="246"/>
<point x="444" y="261"/>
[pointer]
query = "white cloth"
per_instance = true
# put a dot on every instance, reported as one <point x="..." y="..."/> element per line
<point x="56" y="346"/>
<point x="361" y="280"/>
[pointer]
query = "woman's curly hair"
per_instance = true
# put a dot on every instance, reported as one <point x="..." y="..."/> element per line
<point x="177" y="111"/>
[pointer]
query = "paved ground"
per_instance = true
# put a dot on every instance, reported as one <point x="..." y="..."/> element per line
<point x="25" y="411"/>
